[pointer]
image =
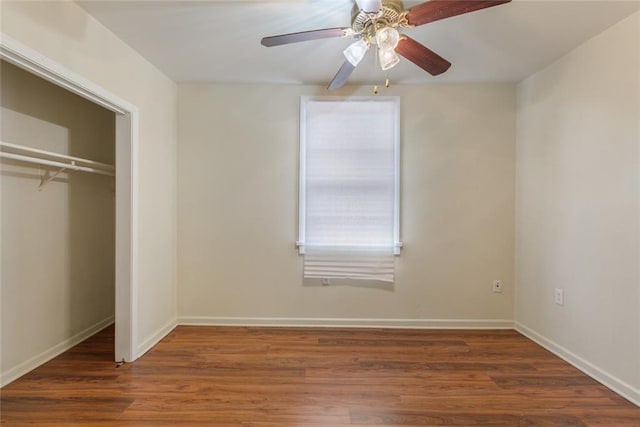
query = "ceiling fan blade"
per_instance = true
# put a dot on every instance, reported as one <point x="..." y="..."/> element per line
<point x="422" y="56"/>
<point x="435" y="10"/>
<point x="373" y="6"/>
<point x="304" y="36"/>
<point x="341" y="76"/>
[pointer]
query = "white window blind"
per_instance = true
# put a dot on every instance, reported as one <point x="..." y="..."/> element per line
<point x="349" y="187"/>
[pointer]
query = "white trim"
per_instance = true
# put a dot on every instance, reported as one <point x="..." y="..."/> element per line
<point x="31" y="364"/>
<point x="397" y="247"/>
<point x="126" y="237"/>
<point x="24" y="57"/>
<point x="156" y="337"/>
<point x="347" y="322"/>
<point x="302" y="172"/>
<point x="611" y="381"/>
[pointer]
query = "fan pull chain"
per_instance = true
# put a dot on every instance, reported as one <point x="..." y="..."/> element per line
<point x="375" y="65"/>
<point x="387" y="82"/>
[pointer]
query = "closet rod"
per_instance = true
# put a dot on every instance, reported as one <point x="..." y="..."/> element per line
<point x="46" y="162"/>
<point x="29" y="151"/>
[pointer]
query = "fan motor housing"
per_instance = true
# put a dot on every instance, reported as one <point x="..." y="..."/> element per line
<point x="389" y="14"/>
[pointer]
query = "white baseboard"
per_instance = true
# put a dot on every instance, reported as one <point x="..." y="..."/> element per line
<point x="155" y="338"/>
<point x="351" y="323"/>
<point x="622" y="388"/>
<point x="29" y="365"/>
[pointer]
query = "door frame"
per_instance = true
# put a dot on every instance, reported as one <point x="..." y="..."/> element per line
<point x="126" y="144"/>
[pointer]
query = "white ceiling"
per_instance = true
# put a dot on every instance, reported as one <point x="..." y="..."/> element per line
<point x="219" y="41"/>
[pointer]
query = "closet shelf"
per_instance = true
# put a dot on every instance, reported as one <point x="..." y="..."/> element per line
<point x="48" y="158"/>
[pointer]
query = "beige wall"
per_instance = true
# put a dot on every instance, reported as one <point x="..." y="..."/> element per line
<point x="578" y="205"/>
<point x="58" y="263"/>
<point x="65" y="33"/>
<point x="237" y="208"/>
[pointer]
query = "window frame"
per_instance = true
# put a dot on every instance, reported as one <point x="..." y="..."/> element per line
<point x="304" y="100"/>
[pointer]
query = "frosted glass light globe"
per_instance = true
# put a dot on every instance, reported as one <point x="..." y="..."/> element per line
<point x="356" y="51"/>
<point x="387" y="38"/>
<point x="388" y="58"/>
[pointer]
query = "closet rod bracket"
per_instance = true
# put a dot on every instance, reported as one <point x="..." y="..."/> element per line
<point x="46" y="177"/>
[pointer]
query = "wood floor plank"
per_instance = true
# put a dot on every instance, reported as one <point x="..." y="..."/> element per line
<point x="266" y="377"/>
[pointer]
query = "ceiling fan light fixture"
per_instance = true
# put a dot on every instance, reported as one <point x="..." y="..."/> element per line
<point x="387" y="38"/>
<point x="388" y="58"/>
<point x="377" y="22"/>
<point x="356" y="51"/>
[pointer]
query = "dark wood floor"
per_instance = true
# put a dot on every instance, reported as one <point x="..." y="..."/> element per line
<point x="316" y="377"/>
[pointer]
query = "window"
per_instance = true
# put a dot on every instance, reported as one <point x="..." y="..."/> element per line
<point x="349" y="186"/>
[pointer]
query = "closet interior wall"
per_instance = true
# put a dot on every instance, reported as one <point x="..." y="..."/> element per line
<point x="57" y="243"/>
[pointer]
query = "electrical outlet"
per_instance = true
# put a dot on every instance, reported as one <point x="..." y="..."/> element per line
<point x="497" y="286"/>
<point x="558" y="296"/>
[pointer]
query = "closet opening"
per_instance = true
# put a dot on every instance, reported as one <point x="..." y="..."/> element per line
<point x="67" y="187"/>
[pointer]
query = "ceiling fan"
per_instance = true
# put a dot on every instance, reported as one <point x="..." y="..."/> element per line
<point x="376" y="22"/>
